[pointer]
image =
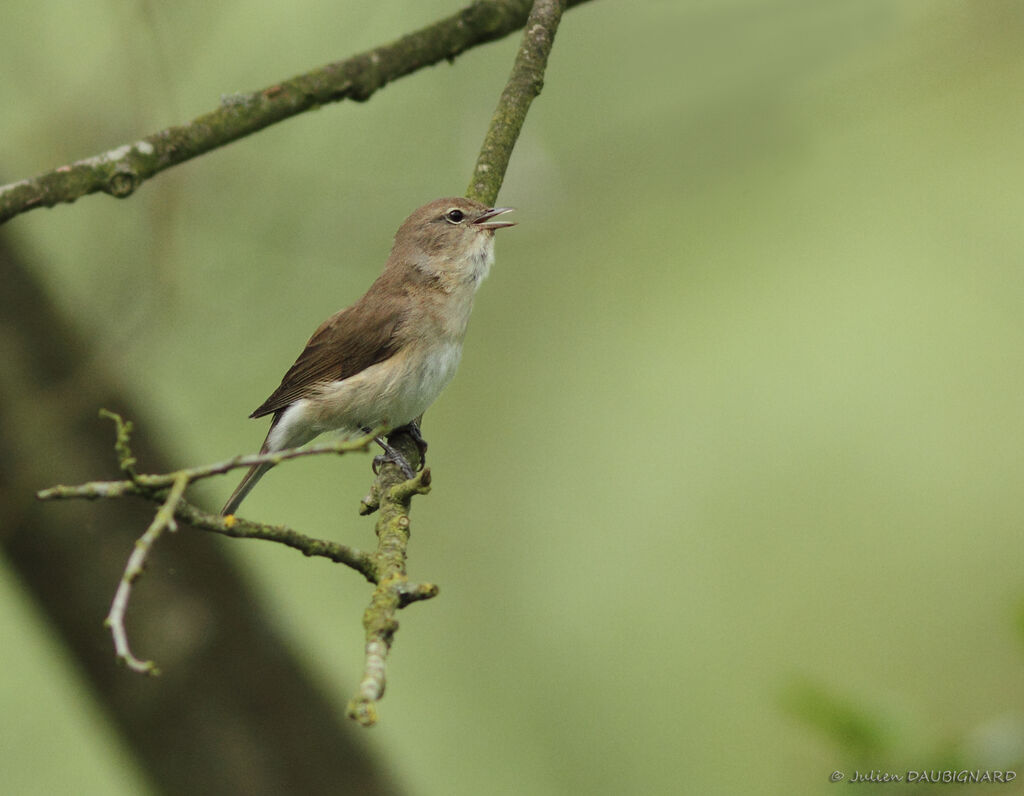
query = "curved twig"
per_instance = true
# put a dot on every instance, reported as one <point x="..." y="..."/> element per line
<point x="164" y="520"/>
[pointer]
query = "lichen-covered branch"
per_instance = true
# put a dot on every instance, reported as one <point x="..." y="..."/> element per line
<point x="393" y="591"/>
<point x="120" y="171"/>
<point x="523" y="86"/>
<point x="154" y="488"/>
<point x="386" y="567"/>
<point x="239" y="528"/>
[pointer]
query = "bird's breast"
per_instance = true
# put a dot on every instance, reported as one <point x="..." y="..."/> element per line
<point x="391" y="393"/>
<point x="433" y="372"/>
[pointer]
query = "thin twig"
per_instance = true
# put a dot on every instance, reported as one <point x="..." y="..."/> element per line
<point x="164" y="520"/>
<point x="152" y="487"/>
<point x="125" y="460"/>
<point x="239" y="528"/>
<point x="146" y="484"/>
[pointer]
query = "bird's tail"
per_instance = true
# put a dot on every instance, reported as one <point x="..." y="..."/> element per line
<point x="256" y="472"/>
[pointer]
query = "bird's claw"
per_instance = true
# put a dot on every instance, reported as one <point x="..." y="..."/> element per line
<point x="421" y="444"/>
<point x="391" y="455"/>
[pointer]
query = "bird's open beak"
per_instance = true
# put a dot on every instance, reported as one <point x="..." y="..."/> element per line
<point x="485" y="220"/>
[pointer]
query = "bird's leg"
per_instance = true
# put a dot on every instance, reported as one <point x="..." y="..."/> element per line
<point x="391" y="455"/>
<point x="414" y="431"/>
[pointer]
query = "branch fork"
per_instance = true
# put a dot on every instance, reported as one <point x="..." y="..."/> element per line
<point x="385" y="567"/>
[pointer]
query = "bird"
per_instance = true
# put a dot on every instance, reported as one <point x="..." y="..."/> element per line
<point x="380" y="363"/>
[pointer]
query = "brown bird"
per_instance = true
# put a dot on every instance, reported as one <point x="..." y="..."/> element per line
<point x="385" y="359"/>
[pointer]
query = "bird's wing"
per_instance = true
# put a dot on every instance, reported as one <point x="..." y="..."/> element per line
<point x="345" y="344"/>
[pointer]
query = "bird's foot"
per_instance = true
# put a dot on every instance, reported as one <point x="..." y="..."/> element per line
<point x="391" y="455"/>
<point x="421" y="444"/>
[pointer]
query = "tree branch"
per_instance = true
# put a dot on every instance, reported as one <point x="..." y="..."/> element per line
<point x="148" y="485"/>
<point x="239" y="528"/>
<point x="169" y="489"/>
<point x="523" y="86"/>
<point x="154" y="488"/>
<point x="386" y="567"/>
<point x="394" y="591"/>
<point x="120" y="171"/>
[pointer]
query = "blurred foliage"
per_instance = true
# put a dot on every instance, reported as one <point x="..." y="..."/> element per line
<point x="740" y="401"/>
<point x="875" y="748"/>
<point x="845" y="722"/>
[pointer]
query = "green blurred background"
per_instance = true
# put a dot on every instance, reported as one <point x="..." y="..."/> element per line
<point x="728" y="487"/>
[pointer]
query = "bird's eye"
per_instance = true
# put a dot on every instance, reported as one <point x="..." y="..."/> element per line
<point x="454" y="216"/>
